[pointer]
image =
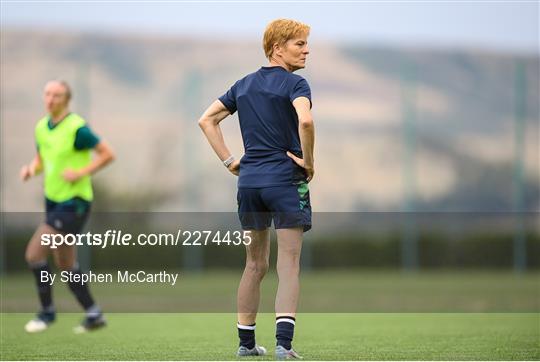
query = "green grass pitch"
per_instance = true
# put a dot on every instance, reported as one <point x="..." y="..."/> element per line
<point x="385" y="315"/>
<point x="347" y="336"/>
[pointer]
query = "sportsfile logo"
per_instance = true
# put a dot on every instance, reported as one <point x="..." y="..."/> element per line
<point x="121" y="238"/>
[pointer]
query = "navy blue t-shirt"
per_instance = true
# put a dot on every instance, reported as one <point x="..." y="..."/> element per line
<point x="269" y="125"/>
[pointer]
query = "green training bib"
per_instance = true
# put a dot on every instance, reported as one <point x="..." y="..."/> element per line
<point x="58" y="153"/>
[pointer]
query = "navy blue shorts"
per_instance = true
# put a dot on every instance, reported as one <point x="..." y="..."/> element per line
<point x="288" y="206"/>
<point x="68" y="217"/>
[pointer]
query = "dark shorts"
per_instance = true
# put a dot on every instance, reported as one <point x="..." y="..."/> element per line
<point x="288" y="206"/>
<point x="68" y="217"/>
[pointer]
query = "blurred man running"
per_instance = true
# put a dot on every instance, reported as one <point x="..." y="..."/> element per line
<point x="64" y="154"/>
<point x="274" y="109"/>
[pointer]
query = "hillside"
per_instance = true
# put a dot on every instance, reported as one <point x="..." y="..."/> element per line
<point x="144" y="95"/>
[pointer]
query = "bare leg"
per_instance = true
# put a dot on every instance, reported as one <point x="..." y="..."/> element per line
<point x="65" y="257"/>
<point x="257" y="255"/>
<point x="35" y="252"/>
<point x="288" y="269"/>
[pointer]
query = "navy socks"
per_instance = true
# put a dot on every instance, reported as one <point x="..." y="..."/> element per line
<point x="246" y="335"/>
<point x="81" y="292"/>
<point x="285" y="331"/>
<point x="44" y="289"/>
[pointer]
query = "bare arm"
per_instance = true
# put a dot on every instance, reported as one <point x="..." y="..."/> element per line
<point x="209" y="123"/>
<point x="35" y="167"/>
<point x="104" y="156"/>
<point x="306" y="130"/>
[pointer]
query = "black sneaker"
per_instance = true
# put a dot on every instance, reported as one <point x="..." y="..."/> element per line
<point x="90" y="324"/>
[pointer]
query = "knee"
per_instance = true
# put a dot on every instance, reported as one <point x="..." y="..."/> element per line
<point x="29" y="258"/>
<point x="257" y="268"/>
<point x="33" y="258"/>
<point x="64" y="265"/>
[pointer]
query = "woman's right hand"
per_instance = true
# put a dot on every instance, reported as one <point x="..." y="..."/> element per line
<point x="25" y="173"/>
<point x="310" y="171"/>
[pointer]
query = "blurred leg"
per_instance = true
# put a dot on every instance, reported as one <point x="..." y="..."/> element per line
<point x="35" y="252"/>
<point x="65" y="258"/>
<point x="36" y="257"/>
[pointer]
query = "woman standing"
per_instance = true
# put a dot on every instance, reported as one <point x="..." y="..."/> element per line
<point x="274" y="109"/>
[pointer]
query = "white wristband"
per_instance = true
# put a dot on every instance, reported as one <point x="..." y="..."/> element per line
<point x="228" y="161"/>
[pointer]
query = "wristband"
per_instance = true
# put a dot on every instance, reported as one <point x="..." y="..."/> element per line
<point x="228" y="161"/>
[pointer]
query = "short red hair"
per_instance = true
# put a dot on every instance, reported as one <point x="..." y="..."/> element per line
<point x="280" y="31"/>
